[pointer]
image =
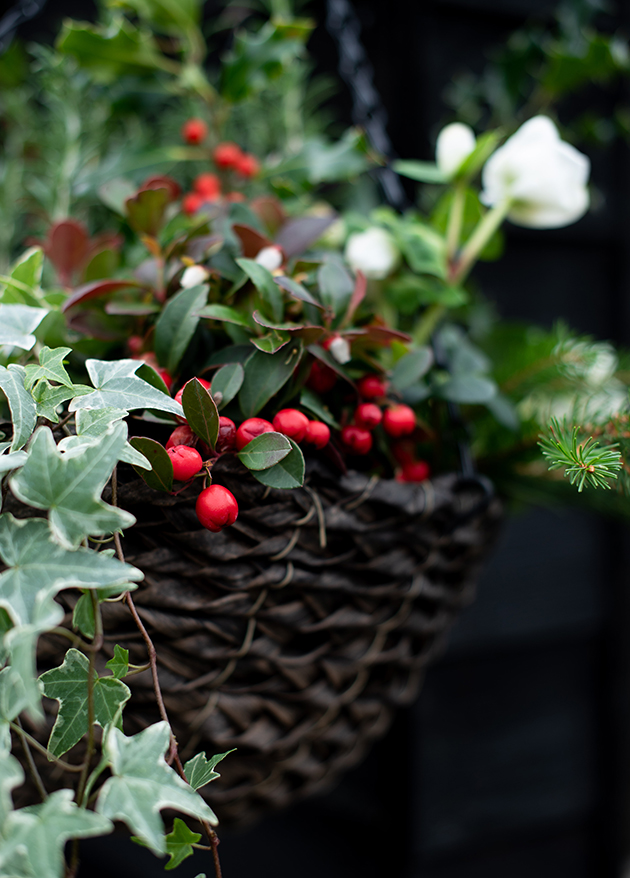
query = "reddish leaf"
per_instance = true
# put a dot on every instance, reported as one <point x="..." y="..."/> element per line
<point x="145" y="210"/>
<point x="252" y="241"/>
<point x="161" y="181"/>
<point x="379" y="335"/>
<point x="358" y="294"/>
<point x="97" y="288"/>
<point x="270" y="211"/>
<point x="298" y="234"/>
<point x="67" y="246"/>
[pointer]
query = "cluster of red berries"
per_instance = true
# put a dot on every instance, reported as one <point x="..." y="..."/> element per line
<point x="291" y="423"/>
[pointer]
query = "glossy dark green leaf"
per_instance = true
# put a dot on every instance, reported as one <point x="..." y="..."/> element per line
<point x="201" y="412"/>
<point x="227" y="381"/>
<point x="265" y="451"/>
<point x="289" y="473"/>
<point x="266" y="286"/>
<point x="272" y="341"/>
<point x="226" y="315"/>
<point x="265" y="374"/>
<point x="160" y="476"/>
<point x="176" y="325"/>
<point x="313" y="403"/>
<point x="336" y="284"/>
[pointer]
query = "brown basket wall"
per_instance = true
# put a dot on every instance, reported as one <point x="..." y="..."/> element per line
<point x="294" y="634"/>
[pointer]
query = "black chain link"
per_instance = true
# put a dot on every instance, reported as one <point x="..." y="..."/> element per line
<point x="20" y="13"/>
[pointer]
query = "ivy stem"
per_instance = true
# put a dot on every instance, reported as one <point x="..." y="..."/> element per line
<point x="17" y="727"/>
<point x="94" y="647"/>
<point x="23" y="736"/>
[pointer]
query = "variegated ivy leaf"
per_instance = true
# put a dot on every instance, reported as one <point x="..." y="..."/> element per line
<point x="50" y="367"/>
<point x="49" y="397"/>
<point x="92" y="423"/>
<point x="12" y="461"/>
<point x="117" y="386"/>
<point x="11" y="774"/>
<point x="17" y="324"/>
<point x="33" y="839"/>
<point x="21" y="403"/>
<point x="199" y="771"/>
<point x="68" y="684"/>
<point x="69" y="485"/>
<point x="143" y="784"/>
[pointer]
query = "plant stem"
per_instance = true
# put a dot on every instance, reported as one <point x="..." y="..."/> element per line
<point x="426" y="325"/>
<point x="94" y="648"/>
<point x="486" y="228"/>
<point x="23" y="736"/>
<point x="455" y="220"/>
<point x="17" y="727"/>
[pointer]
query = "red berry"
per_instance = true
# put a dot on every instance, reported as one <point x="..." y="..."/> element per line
<point x="416" y="471"/>
<point x="317" y="434"/>
<point x="178" y="395"/>
<point x="181" y="436"/>
<point x="227" y="155"/>
<point x="399" y="420"/>
<point x="166" y="377"/>
<point x="247" y="165"/>
<point x="208" y="186"/>
<point x="226" y="440"/>
<point x="194" y="131"/>
<point x="403" y="452"/>
<point x="186" y="462"/>
<point x="191" y="202"/>
<point x="368" y="415"/>
<point x="292" y="423"/>
<point x="216" y="508"/>
<point x="321" y="378"/>
<point x="358" y="440"/>
<point x="251" y="428"/>
<point x="371" y="387"/>
<point x="135" y="344"/>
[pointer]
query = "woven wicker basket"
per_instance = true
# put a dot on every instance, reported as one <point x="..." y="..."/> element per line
<point x="294" y="634"/>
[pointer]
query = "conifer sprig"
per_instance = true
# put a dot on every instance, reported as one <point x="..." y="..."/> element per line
<point x="585" y="460"/>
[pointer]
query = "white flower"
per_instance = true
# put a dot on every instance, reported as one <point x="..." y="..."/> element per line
<point x="454" y="144"/>
<point x="373" y="252"/>
<point x="270" y="257"/>
<point x="544" y="177"/>
<point x="194" y="275"/>
<point x="340" y="349"/>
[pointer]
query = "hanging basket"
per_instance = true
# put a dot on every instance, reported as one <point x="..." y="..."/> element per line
<point x="294" y="634"/>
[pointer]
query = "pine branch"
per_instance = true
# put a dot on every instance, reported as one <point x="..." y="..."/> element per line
<point x="586" y="461"/>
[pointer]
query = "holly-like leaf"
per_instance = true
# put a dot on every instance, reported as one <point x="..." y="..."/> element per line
<point x="264" y="451"/>
<point x="68" y="684"/>
<point x="289" y="473"/>
<point x="21" y="403"/>
<point x="179" y="843"/>
<point x="199" y="771"/>
<point x="69" y="485"/>
<point x="201" y="412"/>
<point x="265" y="374"/>
<point x="117" y="386"/>
<point x="142" y="784"/>
<point x="11" y="774"/>
<point x="177" y="323"/>
<point x="227" y="381"/>
<point x="263" y="280"/>
<point x="160" y="475"/>
<point x="33" y="839"/>
<point x="17" y="324"/>
<point x="50" y="367"/>
<point x="411" y="367"/>
<point x="119" y="664"/>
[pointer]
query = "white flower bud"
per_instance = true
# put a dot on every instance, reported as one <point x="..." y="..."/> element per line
<point x="454" y="144"/>
<point x="270" y="257"/>
<point x="340" y="349"/>
<point x="544" y="176"/>
<point x="193" y="276"/>
<point x="373" y="252"/>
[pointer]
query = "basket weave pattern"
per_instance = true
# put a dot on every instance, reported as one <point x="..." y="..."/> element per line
<point x="295" y="633"/>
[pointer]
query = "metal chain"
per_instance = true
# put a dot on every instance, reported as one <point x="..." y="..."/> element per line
<point x="368" y="111"/>
<point x="20" y="13"/>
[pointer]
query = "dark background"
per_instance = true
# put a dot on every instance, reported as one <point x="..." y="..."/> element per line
<point x="514" y="761"/>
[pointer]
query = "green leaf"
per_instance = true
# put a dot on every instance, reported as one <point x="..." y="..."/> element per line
<point x="152" y="377"/>
<point x="264" y="451"/>
<point x="289" y="473"/>
<point x="265" y="374"/>
<point x="12" y="461"/>
<point x="11" y="774"/>
<point x="119" y="664"/>
<point x="27" y="269"/>
<point x="485" y="146"/>
<point x="313" y="403"/>
<point x="160" y="476"/>
<point x="21" y="403"/>
<point x="50" y="367"/>
<point x="177" y="323"/>
<point x="411" y="367"/>
<point x="143" y="784"/>
<point x="83" y="616"/>
<point x="263" y="281"/>
<point x="423" y="172"/>
<point x="114" y="193"/>
<point x="117" y="386"/>
<point x="48" y="398"/>
<point x="199" y="771"/>
<point x="179" y="843"/>
<point x="69" y="485"/>
<point x="225" y="314"/>
<point x="68" y="684"/>
<point x="335" y="283"/>
<point x="422" y="247"/>
<point x="34" y="838"/>
<point x="17" y="324"/>
<point x="168" y="16"/>
<point x="90" y="424"/>
<point x="145" y="210"/>
<point x="227" y="381"/>
<point x="272" y="341"/>
<point x="468" y="389"/>
<point x="201" y="412"/>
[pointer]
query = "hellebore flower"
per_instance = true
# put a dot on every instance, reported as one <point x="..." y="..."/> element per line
<point x="542" y="177"/>
<point x="193" y="275"/>
<point x="454" y="144"/>
<point x="270" y="257"/>
<point x="373" y="252"/>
